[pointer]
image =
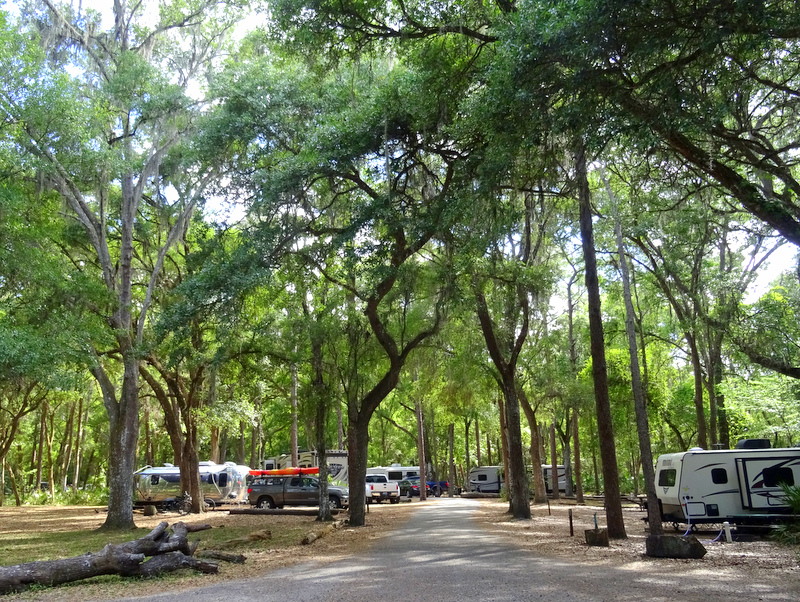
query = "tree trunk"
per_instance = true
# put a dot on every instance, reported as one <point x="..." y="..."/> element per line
<point x="451" y="462"/>
<point x="478" y="461"/>
<point x="539" y="489"/>
<point x="613" y="502"/>
<point x="467" y="461"/>
<point x="578" y="475"/>
<point x="554" y="464"/>
<point x="640" y="407"/>
<point x="423" y="490"/>
<point x="293" y="452"/>
<point x="167" y="552"/>
<point x="699" y="406"/>
<point x="519" y="497"/>
<point x="357" y="442"/>
<point x="123" y="418"/>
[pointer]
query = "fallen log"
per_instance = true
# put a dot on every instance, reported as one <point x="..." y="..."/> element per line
<point x="219" y="555"/>
<point x="167" y="552"/>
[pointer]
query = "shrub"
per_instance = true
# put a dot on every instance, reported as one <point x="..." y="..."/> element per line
<point x="789" y="533"/>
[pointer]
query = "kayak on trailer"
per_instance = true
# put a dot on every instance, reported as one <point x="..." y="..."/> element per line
<point x="286" y="471"/>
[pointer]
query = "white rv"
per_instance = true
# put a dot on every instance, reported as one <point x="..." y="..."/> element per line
<point x="485" y="479"/>
<point x="741" y="486"/>
<point x="395" y="472"/>
<point x="547" y="472"/>
<point x="219" y="483"/>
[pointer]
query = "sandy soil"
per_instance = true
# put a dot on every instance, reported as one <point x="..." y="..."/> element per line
<point x="548" y="534"/>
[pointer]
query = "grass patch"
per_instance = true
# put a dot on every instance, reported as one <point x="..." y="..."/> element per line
<point x="64" y="539"/>
<point x="17" y="548"/>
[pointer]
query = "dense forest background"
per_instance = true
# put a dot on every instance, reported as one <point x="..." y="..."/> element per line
<point x="233" y="228"/>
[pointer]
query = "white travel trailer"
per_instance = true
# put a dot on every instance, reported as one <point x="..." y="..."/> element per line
<point x="547" y="471"/>
<point x="395" y="472"/>
<point x="485" y="479"/>
<point x="219" y="483"/>
<point x="740" y="486"/>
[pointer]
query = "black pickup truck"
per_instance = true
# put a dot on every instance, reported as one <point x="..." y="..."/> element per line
<point x="280" y="491"/>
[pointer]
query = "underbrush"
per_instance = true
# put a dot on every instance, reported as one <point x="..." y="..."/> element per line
<point x="789" y="533"/>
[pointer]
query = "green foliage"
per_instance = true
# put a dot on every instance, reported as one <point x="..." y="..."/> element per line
<point x="789" y="533"/>
<point x="764" y="406"/>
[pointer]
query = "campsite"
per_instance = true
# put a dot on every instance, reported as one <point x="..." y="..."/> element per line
<point x="547" y="535"/>
<point x="543" y="251"/>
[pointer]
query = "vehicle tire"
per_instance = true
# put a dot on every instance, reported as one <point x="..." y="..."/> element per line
<point x="395" y="500"/>
<point x="335" y="502"/>
<point x="265" y="502"/>
<point x="369" y="500"/>
<point x="209" y="504"/>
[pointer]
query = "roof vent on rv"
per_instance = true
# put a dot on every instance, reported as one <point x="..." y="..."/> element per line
<point x="752" y="444"/>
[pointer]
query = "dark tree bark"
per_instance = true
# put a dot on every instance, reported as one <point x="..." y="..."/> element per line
<point x="640" y="407"/>
<point x="605" y="428"/>
<point x="539" y="490"/>
<point x="578" y="474"/>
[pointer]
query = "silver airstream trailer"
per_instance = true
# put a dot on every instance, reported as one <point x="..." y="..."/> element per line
<point x="219" y="484"/>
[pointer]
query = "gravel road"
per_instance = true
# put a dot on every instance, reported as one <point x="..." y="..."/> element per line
<point x="442" y="554"/>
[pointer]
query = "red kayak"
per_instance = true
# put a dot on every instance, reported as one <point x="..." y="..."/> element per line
<point x="286" y="471"/>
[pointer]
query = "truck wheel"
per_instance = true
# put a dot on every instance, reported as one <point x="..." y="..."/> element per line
<point x="335" y="502"/>
<point x="395" y="500"/>
<point x="265" y="502"/>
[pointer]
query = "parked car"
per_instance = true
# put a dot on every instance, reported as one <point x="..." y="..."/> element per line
<point x="437" y="488"/>
<point x="410" y="486"/>
<point x="280" y="491"/>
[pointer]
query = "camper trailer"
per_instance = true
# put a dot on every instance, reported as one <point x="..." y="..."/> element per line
<point x="742" y="486"/>
<point x="219" y="483"/>
<point x="547" y="472"/>
<point x="335" y="458"/>
<point x="395" y="472"/>
<point x="485" y="479"/>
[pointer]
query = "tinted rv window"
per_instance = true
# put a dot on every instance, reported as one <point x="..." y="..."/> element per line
<point x="483" y="477"/>
<point x="666" y="478"/>
<point x="776" y="475"/>
<point x="719" y="476"/>
<point x="395" y="475"/>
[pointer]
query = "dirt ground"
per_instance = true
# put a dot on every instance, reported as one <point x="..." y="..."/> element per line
<point x="548" y="534"/>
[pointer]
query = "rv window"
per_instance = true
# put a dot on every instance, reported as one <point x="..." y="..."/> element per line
<point x="719" y="476"/>
<point x="154" y="479"/>
<point x="775" y="476"/>
<point x="666" y="478"/>
<point x="483" y="477"/>
<point x="395" y="476"/>
<point x="222" y="479"/>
